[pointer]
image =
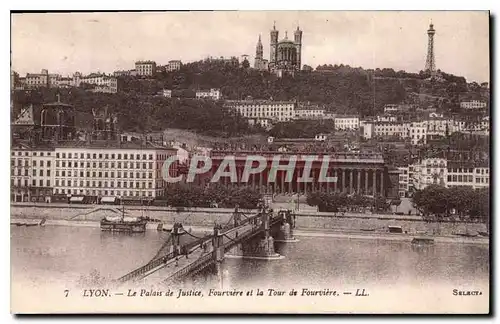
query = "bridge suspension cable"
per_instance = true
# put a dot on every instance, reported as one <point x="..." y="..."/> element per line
<point x="198" y="237"/>
<point x="164" y="245"/>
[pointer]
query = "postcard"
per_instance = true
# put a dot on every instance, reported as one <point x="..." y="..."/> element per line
<point x="308" y="162"/>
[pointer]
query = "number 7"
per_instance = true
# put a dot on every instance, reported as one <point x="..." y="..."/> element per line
<point x="66" y="292"/>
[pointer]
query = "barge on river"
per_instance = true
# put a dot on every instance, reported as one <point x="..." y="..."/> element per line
<point x="124" y="224"/>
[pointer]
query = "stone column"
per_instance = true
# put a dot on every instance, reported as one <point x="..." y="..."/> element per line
<point x="342" y="189"/>
<point x="366" y="181"/>
<point x="358" y="180"/>
<point x="374" y="181"/>
<point x="261" y="175"/>
<point x="351" y="180"/>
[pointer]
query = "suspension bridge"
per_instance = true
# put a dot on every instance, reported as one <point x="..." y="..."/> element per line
<point x="184" y="254"/>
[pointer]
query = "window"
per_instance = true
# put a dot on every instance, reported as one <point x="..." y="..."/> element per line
<point x="48" y="164"/>
<point x="100" y="174"/>
<point x="119" y="156"/>
<point x="81" y="155"/>
<point x="69" y="156"/>
<point x="69" y="164"/>
<point x="107" y="156"/>
<point x="48" y="182"/>
<point x="41" y="173"/>
<point x="41" y="163"/>
<point x="64" y="155"/>
<point x="34" y="163"/>
<point x="48" y="173"/>
<point x="57" y="155"/>
<point x="119" y="165"/>
<point x="138" y="156"/>
<point x="100" y="155"/>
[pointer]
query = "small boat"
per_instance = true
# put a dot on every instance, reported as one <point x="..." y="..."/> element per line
<point x="466" y="234"/>
<point x="481" y="233"/>
<point x="367" y="229"/>
<point x="422" y="241"/>
<point x="33" y="224"/>
<point x="124" y="224"/>
<point x="395" y="229"/>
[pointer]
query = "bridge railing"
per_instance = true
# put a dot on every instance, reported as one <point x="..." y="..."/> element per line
<point x="146" y="268"/>
<point x="194" y="266"/>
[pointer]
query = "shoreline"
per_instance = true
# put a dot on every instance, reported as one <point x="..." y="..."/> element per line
<point x="299" y="232"/>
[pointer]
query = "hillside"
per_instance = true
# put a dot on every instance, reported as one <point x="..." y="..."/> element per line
<point x="340" y="89"/>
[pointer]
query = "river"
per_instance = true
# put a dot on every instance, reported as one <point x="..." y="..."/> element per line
<point x="58" y="255"/>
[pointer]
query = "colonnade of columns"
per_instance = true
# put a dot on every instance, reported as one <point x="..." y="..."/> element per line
<point x="367" y="181"/>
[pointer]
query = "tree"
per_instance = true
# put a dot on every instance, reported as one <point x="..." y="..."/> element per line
<point x="431" y="201"/>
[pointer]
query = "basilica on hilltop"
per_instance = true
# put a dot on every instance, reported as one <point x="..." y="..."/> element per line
<point x="284" y="55"/>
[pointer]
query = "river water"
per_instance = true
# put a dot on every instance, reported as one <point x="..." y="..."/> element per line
<point x="59" y="255"/>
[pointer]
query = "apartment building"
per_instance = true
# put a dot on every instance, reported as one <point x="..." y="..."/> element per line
<point x="346" y="122"/>
<point x="145" y="68"/>
<point x="262" y="109"/>
<point x="473" y="104"/>
<point x="213" y="94"/>
<point x="126" y="171"/>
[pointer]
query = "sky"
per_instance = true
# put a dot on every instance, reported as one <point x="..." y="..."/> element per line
<point x="105" y="42"/>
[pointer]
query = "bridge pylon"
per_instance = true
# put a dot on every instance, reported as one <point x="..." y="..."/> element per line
<point x="218" y="243"/>
<point x="176" y="237"/>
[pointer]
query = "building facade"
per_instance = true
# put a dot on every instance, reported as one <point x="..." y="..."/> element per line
<point x="35" y="80"/>
<point x="91" y="170"/>
<point x="213" y="94"/>
<point x="260" y="109"/>
<point x="363" y="173"/>
<point x="428" y="172"/>
<point x="346" y="122"/>
<point x="309" y="113"/>
<point x="145" y="68"/>
<point x="471" y="176"/>
<point x="473" y="104"/>
<point x="173" y="65"/>
<point x="403" y="181"/>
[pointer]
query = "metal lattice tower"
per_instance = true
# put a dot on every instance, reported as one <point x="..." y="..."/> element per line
<point x="430" y="63"/>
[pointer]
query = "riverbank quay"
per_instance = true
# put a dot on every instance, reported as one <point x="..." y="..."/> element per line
<point x="205" y="218"/>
